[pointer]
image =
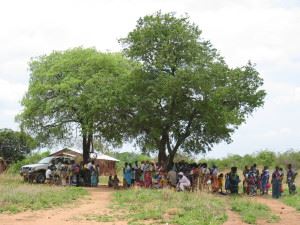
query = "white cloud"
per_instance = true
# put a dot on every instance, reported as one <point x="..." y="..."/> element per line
<point x="11" y="92"/>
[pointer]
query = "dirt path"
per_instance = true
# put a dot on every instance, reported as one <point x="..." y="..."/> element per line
<point x="287" y="214"/>
<point x="71" y="214"/>
<point x="233" y="219"/>
<point x="97" y="204"/>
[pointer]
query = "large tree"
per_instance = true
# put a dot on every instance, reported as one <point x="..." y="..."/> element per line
<point x="62" y="91"/>
<point x="14" y="145"/>
<point x="184" y="96"/>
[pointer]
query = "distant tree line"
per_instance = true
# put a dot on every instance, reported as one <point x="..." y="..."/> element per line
<point x="261" y="158"/>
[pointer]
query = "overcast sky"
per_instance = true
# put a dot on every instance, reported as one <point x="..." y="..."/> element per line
<point x="263" y="31"/>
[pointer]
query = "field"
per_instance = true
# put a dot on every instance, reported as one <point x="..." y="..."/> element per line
<point x="17" y="196"/>
<point x="138" y="206"/>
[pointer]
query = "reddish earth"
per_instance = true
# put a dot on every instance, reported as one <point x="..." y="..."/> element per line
<point x="97" y="204"/>
<point x="287" y="214"/>
<point x="70" y="214"/>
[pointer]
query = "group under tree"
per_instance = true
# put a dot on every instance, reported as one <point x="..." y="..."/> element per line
<point x="170" y="91"/>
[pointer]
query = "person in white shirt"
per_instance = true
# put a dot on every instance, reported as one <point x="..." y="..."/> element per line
<point x="183" y="182"/>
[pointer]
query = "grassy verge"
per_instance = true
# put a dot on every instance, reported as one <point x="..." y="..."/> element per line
<point x="292" y="200"/>
<point x="251" y="211"/>
<point x="17" y="196"/>
<point x="144" y="206"/>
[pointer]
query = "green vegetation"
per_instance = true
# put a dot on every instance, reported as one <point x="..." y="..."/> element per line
<point x="251" y="211"/>
<point x="262" y="158"/>
<point x="17" y="196"/>
<point x="14" y="145"/>
<point x="169" y="91"/>
<point x="292" y="200"/>
<point x="101" y="218"/>
<point x="71" y="89"/>
<point x="184" y="97"/>
<point x="142" y="206"/>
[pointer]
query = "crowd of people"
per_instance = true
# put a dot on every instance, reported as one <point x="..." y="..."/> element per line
<point x="70" y="173"/>
<point x="182" y="176"/>
<point x="199" y="177"/>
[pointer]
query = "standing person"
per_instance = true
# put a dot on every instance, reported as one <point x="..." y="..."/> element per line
<point x="220" y="182"/>
<point x="290" y="179"/>
<point x="97" y="172"/>
<point x="127" y="175"/>
<point x="245" y="181"/>
<point x="276" y="183"/>
<point x="136" y="172"/>
<point x="214" y="179"/>
<point x="252" y="181"/>
<point x="281" y="179"/>
<point x="234" y="181"/>
<point x="147" y="175"/>
<point x="206" y="179"/>
<point x="265" y="175"/>
<point x="227" y="182"/>
<point x="132" y="174"/>
<point x="93" y="172"/>
<point x="172" y="177"/>
<point x="183" y="182"/>
<point x="75" y="173"/>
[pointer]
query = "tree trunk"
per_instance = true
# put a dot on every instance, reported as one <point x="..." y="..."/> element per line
<point x="86" y="143"/>
<point x="170" y="162"/>
<point x="162" y="156"/>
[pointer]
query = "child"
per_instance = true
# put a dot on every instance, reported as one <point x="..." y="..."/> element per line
<point x="116" y="182"/>
<point x="227" y="183"/>
<point x="110" y="181"/>
<point x="220" y="182"/>
<point x="163" y="182"/>
<point x="48" y="175"/>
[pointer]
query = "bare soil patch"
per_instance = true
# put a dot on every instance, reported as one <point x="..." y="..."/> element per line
<point x="71" y="214"/>
<point x="287" y="214"/>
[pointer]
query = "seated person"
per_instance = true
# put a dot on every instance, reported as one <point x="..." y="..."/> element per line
<point x="163" y="181"/>
<point x="116" y="182"/>
<point x="110" y="181"/>
<point x="183" y="182"/>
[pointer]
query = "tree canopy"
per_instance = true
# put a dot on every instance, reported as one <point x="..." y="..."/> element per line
<point x="14" y="145"/>
<point x="173" y="92"/>
<point x="184" y="96"/>
<point x="61" y="95"/>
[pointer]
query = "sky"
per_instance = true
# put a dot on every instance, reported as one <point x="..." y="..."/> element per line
<point x="267" y="32"/>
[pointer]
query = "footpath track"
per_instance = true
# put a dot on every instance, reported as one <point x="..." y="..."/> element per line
<point x="71" y="214"/>
<point x="98" y="201"/>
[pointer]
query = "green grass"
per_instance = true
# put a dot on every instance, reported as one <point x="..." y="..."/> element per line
<point x="250" y="211"/>
<point x="144" y="206"/>
<point x="17" y="196"/>
<point x="101" y="218"/>
<point x="292" y="200"/>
